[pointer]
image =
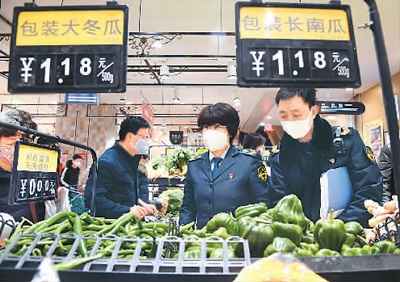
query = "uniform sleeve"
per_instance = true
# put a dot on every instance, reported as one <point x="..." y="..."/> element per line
<point x="385" y="165"/>
<point x="104" y="184"/>
<point x="277" y="185"/>
<point x="258" y="179"/>
<point x="366" y="180"/>
<point x="188" y="209"/>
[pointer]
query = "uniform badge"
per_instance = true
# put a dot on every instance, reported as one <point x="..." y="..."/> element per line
<point x="345" y="131"/>
<point x="332" y="160"/>
<point x="231" y="175"/>
<point x="370" y="154"/>
<point x="262" y="173"/>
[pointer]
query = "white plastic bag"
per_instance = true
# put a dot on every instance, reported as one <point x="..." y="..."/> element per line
<point x="55" y="206"/>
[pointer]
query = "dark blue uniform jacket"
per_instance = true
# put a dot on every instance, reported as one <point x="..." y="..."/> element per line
<point x="297" y="168"/>
<point x="240" y="180"/>
<point x="116" y="186"/>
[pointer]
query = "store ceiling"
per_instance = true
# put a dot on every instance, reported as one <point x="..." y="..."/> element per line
<point x="198" y="59"/>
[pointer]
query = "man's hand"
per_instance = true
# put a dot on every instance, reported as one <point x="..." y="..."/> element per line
<point x="138" y="211"/>
<point x="150" y="209"/>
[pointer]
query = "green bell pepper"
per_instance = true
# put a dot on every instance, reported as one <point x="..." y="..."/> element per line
<point x="299" y="252"/>
<point x="350" y="240"/>
<point x="330" y="233"/>
<point x="355" y="228"/>
<point x="289" y="210"/>
<point x="385" y="247"/>
<point x="307" y="237"/>
<point x="221" y="232"/>
<point x="288" y="230"/>
<point x="313" y="248"/>
<point x="258" y="235"/>
<point x="251" y="210"/>
<point x="327" y="253"/>
<point x="279" y="244"/>
<point x="222" y="219"/>
<point x="219" y="253"/>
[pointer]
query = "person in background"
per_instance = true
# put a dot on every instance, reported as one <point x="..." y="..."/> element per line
<point x="386" y="167"/>
<point x="119" y="186"/>
<point x="70" y="175"/>
<point x="309" y="147"/>
<point x="63" y="163"/>
<point x="255" y="141"/>
<point x="223" y="178"/>
<point x="8" y="137"/>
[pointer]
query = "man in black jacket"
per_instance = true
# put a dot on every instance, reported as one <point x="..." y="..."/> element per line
<point x="70" y="174"/>
<point x="309" y="147"/>
<point x="386" y="167"/>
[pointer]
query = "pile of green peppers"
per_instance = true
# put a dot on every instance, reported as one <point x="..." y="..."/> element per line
<point x="285" y="228"/>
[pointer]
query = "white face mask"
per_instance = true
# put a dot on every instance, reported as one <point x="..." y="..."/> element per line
<point x="143" y="146"/>
<point x="78" y="164"/>
<point x="214" y="139"/>
<point x="298" y="128"/>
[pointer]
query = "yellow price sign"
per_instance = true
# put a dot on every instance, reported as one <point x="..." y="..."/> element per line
<point x="293" y="23"/>
<point x="32" y="158"/>
<point x="70" y="27"/>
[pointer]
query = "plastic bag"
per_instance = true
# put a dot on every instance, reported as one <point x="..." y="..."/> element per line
<point x="55" y="206"/>
<point x="46" y="272"/>
<point x="7" y="225"/>
<point x="278" y="267"/>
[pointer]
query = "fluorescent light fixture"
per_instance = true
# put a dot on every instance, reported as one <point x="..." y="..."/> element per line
<point x="176" y="99"/>
<point x="236" y="101"/>
<point x="231" y="71"/>
<point x="157" y="44"/>
<point x="164" y="71"/>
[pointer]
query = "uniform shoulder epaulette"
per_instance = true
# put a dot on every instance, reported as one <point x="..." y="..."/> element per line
<point x="197" y="157"/>
<point x="344" y="130"/>
<point x="249" y="152"/>
<point x="275" y="149"/>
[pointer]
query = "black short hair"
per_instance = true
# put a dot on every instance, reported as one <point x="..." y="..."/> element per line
<point x="253" y="140"/>
<point x="76" y="157"/>
<point x="308" y="94"/>
<point x="221" y="113"/>
<point x="132" y="124"/>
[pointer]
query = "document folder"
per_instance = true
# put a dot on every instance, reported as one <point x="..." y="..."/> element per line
<point x="336" y="191"/>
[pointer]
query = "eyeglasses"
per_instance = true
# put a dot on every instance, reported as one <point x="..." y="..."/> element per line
<point x="143" y="136"/>
<point x="215" y="126"/>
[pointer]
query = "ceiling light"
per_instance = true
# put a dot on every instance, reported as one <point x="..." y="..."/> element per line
<point x="176" y="99"/>
<point x="164" y="71"/>
<point x="157" y="44"/>
<point x="236" y="101"/>
<point x="231" y="71"/>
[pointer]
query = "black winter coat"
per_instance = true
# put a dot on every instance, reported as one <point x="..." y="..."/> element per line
<point x="298" y="166"/>
<point x="69" y="175"/>
<point x="386" y="167"/>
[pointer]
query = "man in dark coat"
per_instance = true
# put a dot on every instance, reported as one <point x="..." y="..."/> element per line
<point x="120" y="186"/>
<point x="309" y="147"/>
<point x="70" y="174"/>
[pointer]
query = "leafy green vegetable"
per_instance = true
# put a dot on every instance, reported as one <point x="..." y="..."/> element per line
<point x="174" y="198"/>
<point x="172" y="165"/>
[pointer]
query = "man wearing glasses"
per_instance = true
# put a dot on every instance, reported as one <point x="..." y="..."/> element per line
<point x="223" y="178"/>
<point x="119" y="185"/>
